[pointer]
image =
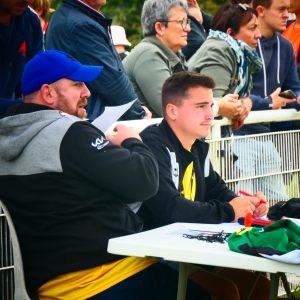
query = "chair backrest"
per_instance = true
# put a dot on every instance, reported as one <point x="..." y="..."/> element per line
<point x="20" y="288"/>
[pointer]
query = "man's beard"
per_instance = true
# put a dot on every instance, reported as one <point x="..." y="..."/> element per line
<point x="64" y="106"/>
<point x="82" y="114"/>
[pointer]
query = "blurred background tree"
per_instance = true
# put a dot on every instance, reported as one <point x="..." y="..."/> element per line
<point x="128" y="14"/>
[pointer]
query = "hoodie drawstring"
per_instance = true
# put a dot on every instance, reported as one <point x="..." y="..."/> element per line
<point x="264" y="66"/>
<point x="278" y="58"/>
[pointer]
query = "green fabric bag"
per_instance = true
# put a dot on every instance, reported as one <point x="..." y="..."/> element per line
<point x="279" y="241"/>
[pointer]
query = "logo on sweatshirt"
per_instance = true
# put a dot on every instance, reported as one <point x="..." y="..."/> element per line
<point x="100" y="143"/>
<point x="22" y="49"/>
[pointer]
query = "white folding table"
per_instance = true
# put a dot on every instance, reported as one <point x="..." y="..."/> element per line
<point x="161" y="242"/>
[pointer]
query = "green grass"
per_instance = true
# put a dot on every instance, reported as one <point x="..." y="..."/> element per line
<point x="296" y="291"/>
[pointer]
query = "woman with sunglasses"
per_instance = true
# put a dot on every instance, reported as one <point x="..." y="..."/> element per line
<point x="165" y="29"/>
<point x="228" y="55"/>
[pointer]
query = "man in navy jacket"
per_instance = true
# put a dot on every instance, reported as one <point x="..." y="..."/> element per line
<point x="78" y="28"/>
<point x="21" y="38"/>
<point x="279" y="70"/>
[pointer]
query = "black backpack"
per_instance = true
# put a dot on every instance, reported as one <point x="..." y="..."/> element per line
<point x="290" y="208"/>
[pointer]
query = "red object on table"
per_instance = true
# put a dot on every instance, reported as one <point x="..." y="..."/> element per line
<point x="249" y="222"/>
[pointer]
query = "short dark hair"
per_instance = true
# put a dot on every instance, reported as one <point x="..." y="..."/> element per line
<point x="265" y="3"/>
<point x="176" y="88"/>
<point x="232" y="16"/>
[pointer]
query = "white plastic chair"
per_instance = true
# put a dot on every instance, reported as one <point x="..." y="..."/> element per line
<point x="20" y="288"/>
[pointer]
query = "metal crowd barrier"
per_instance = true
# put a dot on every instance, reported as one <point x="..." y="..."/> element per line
<point x="6" y="261"/>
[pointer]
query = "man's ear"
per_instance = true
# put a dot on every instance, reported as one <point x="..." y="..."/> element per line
<point x="47" y="93"/>
<point x="260" y="10"/>
<point x="171" y="111"/>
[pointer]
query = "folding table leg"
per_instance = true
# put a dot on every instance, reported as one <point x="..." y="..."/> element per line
<point x="274" y="286"/>
<point x="286" y="285"/>
<point x="251" y="285"/>
<point x="182" y="280"/>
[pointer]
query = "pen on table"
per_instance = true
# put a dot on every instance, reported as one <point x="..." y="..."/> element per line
<point x="250" y="195"/>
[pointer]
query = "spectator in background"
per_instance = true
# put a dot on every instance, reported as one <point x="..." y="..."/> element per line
<point x="20" y="39"/>
<point x="194" y="10"/>
<point x="228" y="55"/>
<point x="42" y="8"/>
<point x="120" y="41"/>
<point x="165" y="29"/>
<point x="279" y="69"/>
<point x="200" y="25"/>
<point x="292" y="32"/>
<point x="77" y="27"/>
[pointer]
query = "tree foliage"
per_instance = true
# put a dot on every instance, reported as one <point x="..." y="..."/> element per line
<point x="128" y="14"/>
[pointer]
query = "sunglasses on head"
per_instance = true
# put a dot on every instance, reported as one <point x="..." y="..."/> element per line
<point x="244" y="6"/>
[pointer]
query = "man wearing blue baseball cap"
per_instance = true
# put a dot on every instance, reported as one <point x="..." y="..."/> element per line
<point x="67" y="187"/>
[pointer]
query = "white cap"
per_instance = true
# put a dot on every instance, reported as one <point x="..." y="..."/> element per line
<point x="119" y="35"/>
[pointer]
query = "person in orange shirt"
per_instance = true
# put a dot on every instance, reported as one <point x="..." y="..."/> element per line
<point x="42" y="8"/>
<point x="292" y="32"/>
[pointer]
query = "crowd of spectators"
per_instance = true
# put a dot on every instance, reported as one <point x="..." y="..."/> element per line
<point x="77" y="187"/>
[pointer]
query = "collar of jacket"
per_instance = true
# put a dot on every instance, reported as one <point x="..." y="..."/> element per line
<point x="25" y="108"/>
<point x="269" y="41"/>
<point x="89" y="11"/>
<point x="186" y="156"/>
<point x="172" y="57"/>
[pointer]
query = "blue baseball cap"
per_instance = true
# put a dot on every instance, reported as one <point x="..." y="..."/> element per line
<point x="52" y="65"/>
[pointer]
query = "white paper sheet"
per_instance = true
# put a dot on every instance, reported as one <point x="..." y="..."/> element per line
<point x="110" y="115"/>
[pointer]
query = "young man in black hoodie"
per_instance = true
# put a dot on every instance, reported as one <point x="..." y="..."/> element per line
<point x="189" y="189"/>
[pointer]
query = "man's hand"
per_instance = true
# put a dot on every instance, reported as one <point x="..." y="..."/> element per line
<point x="193" y="1"/>
<point x="123" y="133"/>
<point x="244" y="112"/>
<point x="278" y="102"/>
<point x="243" y="205"/>
<point x="262" y="208"/>
<point x="229" y="106"/>
<point x="246" y="106"/>
<point x="148" y="113"/>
